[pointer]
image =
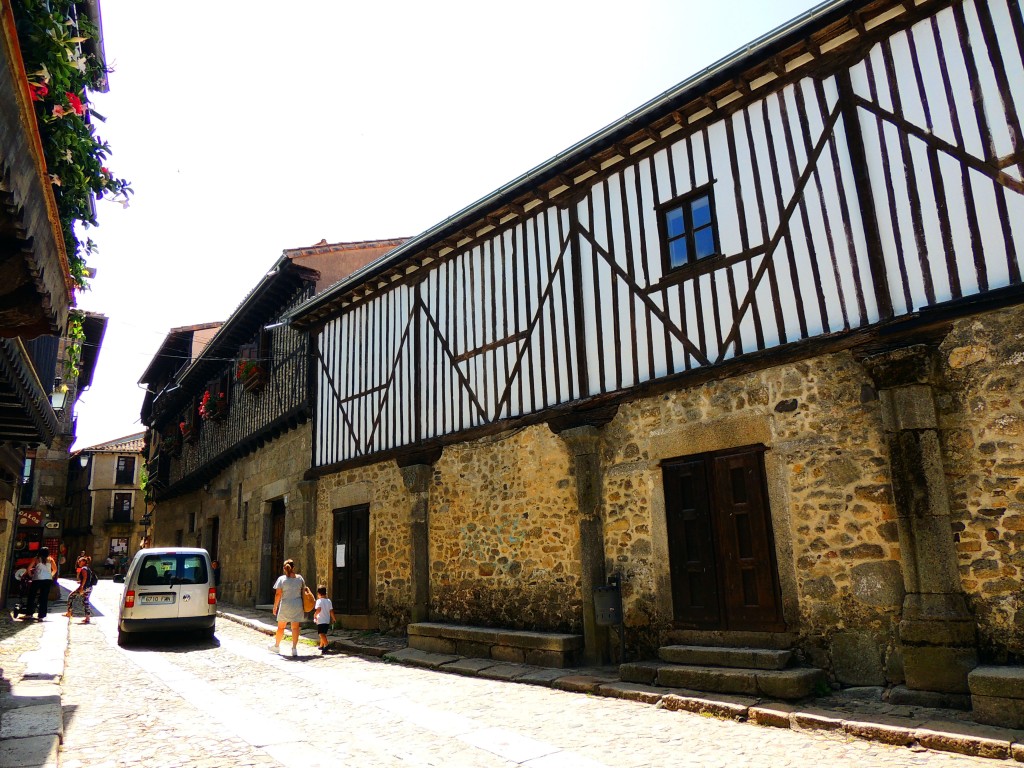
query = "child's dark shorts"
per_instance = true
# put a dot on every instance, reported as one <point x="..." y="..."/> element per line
<point x="322" y="628"/>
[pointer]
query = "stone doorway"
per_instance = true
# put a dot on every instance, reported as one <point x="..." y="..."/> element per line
<point x="721" y="548"/>
<point x="351" y="582"/>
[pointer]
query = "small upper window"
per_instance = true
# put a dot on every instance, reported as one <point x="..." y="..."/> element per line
<point x="688" y="229"/>
<point x="125" y="470"/>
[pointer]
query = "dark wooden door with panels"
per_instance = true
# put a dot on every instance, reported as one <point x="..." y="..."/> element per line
<point x="721" y="548"/>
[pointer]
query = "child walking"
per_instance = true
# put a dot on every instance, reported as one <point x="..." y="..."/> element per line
<point x="86" y="581"/>
<point x="323" y="616"/>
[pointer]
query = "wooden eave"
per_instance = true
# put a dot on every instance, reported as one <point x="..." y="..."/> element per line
<point x="816" y="40"/>
<point x="94" y="326"/>
<point x="26" y="416"/>
<point x="262" y="305"/>
<point x="36" y="288"/>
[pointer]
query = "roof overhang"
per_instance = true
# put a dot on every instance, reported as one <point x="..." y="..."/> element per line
<point x="828" y="30"/>
<point x="35" y="282"/>
<point x="26" y="415"/>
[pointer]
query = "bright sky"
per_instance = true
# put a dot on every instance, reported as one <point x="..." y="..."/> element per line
<point x="246" y="129"/>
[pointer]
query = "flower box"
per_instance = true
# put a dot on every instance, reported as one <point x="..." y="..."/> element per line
<point x="213" y="407"/>
<point x="189" y="432"/>
<point x="252" y="375"/>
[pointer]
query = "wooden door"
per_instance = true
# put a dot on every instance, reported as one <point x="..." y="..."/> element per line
<point x="277" y="556"/>
<point x="721" y="550"/>
<point x="351" y="581"/>
<point x="691" y="544"/>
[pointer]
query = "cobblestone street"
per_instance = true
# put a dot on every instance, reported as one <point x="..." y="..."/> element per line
<point x="180" y="702"/>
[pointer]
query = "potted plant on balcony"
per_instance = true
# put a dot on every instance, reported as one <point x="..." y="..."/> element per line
<point x="252" y="375"/>
<point x="189" y="433"/>
<point x="213" y="407"/>
<point x="170" y="442"/>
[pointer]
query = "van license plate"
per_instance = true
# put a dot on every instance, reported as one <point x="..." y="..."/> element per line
<point x="151" y="599"/>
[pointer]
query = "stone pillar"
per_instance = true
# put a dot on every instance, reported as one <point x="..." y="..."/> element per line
<point x="417" y="480"/>
<point x="937" y="631"/>
<point x="584" y="443"/>
<point x="306" y="495"/>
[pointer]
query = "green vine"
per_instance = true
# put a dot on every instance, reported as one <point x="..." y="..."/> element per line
<point x="73" y="347"/>
<point x="60" y="75"/>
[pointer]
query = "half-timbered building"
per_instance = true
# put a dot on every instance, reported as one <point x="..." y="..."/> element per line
<point x="227" y="407"/>
<point x="756" y="348"/>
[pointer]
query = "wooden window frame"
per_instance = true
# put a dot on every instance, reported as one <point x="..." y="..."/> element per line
<point x="119" y="474"/>
<point x="122" y="497"/>
<point x="684" y="203"/>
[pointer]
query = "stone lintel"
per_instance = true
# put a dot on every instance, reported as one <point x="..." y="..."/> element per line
<point x="905" y="366"/>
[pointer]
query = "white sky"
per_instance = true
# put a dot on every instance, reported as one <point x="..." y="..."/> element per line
<point x="246" y="129"/>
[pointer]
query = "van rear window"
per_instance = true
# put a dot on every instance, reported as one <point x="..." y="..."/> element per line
<point x="160" y="570"/>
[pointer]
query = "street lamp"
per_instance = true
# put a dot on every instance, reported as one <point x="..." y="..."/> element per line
<point x="58" y="397"/>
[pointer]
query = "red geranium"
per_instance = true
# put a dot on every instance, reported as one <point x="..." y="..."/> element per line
<point x="76" y="103"/>
<point x="38" y="90"/>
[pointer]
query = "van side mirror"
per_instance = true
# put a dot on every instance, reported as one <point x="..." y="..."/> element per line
<point x="119" y="578"/>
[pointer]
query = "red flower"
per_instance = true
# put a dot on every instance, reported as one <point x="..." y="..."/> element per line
<point x="76" y="103"/>
<point x="38" y="91"/>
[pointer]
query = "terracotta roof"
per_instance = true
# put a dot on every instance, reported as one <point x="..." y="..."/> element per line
<point x="127" y="444"/>
<point x="336" y="261"/>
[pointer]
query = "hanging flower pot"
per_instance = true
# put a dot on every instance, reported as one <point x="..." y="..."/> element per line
<point x="213" y="407"/>
<point x="252" y="375"/>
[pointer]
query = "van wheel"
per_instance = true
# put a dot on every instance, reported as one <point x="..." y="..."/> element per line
<point x="122" y="638"/>
<point x="209" y="634"/>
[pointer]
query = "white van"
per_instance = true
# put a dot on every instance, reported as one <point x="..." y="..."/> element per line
<point x="168" y="589"/>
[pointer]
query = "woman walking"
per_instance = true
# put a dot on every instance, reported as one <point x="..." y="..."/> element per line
<point x="288" y="604"/>
<point x="43" y="571"/>
<point x="84" y="590"/>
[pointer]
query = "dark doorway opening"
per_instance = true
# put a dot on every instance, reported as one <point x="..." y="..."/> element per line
<point x="277" y="556"/>
<point x="721" y="547"/>
<point x="351" y="581"/>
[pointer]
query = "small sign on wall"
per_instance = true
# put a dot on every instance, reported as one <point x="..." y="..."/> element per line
<point x="339" y="556"/>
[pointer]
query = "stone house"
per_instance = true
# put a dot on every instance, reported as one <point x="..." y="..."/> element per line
<point x="755" y="348"/>
<point x="228" y="420"/>
<point x="106" y="502"/>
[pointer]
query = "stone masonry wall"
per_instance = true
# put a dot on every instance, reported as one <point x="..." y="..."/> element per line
<point x="380" y="486"/>
<point x="981" y="411"/>
<point x="504" y="537"/>
<point x="240" y="497"/>
<point x="828" y="489"/>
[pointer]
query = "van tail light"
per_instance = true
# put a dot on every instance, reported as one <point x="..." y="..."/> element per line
<point x="129" y="598"/>
<point x="211" y="596"/>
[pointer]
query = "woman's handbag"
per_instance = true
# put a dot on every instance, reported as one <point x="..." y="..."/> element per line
<point x="308" y="601"/>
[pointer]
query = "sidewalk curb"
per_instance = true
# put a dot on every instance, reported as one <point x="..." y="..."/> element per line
<point x="32" y="713"/>
<point x="918" y="735"/>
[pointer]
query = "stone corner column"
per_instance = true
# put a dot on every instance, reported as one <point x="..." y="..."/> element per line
<point x="937" y="632"/>
<point x="583" y="437"/>
<point x="417" y="473"/>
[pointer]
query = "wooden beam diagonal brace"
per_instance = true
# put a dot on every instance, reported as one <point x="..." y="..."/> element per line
<point x="337" y="398"/>
<point x="639" y="292"/>
<point x="391" y="377"/>
<point x="971" y="161"/>
<point x="538" y="313"/>
<point x="451" y="358"/>
<point x="780" y="232"/>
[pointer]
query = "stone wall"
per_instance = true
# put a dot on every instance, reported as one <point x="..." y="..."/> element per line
<point x="981" y="412"/>
<point x="240" y="498"/>
<point x="380" y="486"/>
<point x="828" y="490"/>
<point x="504" y="536"/>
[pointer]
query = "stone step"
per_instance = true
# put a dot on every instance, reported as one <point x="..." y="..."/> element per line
<point x="731" y="639"/>
<point x="788" y="684"/>
<point x="739" y="658"/>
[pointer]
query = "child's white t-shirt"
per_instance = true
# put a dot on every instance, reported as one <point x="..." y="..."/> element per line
<point x="324" y="606"/>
